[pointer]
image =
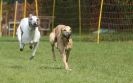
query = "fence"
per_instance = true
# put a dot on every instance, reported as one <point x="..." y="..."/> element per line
<point x="116" y="18"/>
<point x="83" y="16"/>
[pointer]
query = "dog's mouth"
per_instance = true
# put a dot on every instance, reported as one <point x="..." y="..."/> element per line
<point x="33" y="25"/>
<point x="67" y="34"/>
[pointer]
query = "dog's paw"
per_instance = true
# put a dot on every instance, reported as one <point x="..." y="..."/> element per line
<point x="31" y="47"/>
<point x="68" y="69"/>
<point x="32" y="57"/>
<point x="21" y="49"/>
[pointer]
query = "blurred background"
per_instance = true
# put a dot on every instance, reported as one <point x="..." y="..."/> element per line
<point x="116" y="22"/>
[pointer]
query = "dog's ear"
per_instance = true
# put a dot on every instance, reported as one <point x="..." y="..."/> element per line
<point x="30" y="16"/>
<point x="38" y="21"/>
<point x="68" y="28"/>
<point x="63" y="28"/>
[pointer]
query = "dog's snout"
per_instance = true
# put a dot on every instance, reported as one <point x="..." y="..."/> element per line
<point x="35" y="23"/>
<point x="68" y="33"/>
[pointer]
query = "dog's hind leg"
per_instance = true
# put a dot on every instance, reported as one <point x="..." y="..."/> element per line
<point x="34" y="49"/>
<point x="53" y="52"/>
<point x="67" y="55"/>
<point x="31" y="45"/>
<point x="53" y="42"/>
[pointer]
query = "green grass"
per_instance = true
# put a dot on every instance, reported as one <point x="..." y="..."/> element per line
<point x="116" y="36"/>
<point x="108" y="62"/>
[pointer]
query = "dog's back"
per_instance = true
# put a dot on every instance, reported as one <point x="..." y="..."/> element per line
<point x="55" y="32"/>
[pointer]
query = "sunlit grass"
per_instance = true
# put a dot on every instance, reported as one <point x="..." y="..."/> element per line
<point x="108" y="62"/>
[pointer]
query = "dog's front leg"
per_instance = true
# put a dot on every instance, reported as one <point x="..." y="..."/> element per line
<point x="34" y="49"/>
<point x="19" y="36"/>
<point x="21" y="45"/>
<point x="64" y="58"/>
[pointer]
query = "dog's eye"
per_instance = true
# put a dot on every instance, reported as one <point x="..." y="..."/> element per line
<point x="37" y="19"/>
<point x="64" y="30"/>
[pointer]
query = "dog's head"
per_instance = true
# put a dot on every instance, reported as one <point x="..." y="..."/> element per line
<point x="66" y="31"/>
<point x="33" y="21"/>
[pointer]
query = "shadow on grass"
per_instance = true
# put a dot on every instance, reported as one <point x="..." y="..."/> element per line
<point x="16" y="67"/>
<point x="50" y="67"/>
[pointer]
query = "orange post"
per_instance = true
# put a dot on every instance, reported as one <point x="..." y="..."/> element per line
<point x="53" y="14"/>
<point x="80" y="19"/>
<point x="36" y="7"/>
<point x="25" y="1"/>
<point x="1" y="3"/>
<point x="15" y="19"/>
<point x="99" y="22"/>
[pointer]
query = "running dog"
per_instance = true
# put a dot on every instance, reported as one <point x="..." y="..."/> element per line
<point x="27" y="32"/>
<point x="61" y="38"/>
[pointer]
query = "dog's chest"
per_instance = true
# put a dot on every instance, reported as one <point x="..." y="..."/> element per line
<point x="67" y="43"/>
<point x="27" y="33"/>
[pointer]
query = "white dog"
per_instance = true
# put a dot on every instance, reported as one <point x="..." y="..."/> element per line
<point x="28" y="32"/>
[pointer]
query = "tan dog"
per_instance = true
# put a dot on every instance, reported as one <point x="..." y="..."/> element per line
<point x="60" y="37"/>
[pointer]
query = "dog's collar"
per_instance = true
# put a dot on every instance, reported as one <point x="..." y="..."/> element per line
<point x="30" y="24"/>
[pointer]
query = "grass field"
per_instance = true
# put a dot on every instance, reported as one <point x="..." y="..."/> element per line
<point x="108" y="62"/>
